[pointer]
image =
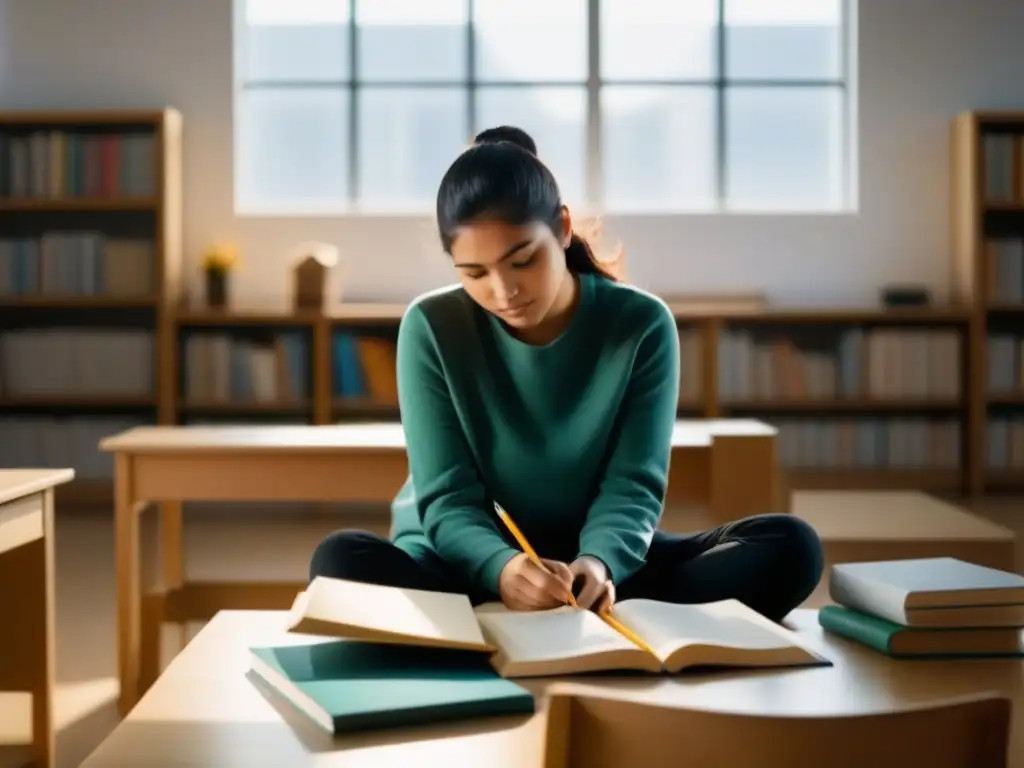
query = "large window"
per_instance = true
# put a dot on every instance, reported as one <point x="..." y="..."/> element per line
<point x="637" y="105"/>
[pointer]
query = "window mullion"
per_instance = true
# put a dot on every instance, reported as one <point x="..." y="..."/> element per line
<point x="846" y="127"/>
<point x="353" y="105"/>
<point x="721" y="191"/>
<point x="594" y="184"/>
<point x="470" y="70"/>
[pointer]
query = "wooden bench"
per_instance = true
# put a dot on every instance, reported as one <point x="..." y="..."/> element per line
<point x="729" y="467"/>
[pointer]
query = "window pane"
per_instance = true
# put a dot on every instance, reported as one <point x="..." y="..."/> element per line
<point x="293" y="147"/>
<point x="411" y="41"/>
<point x="658" y="40"/>
<point x="555" y="116"/>
<point x="309" y="52"/>
<point x="784" y="148"/>
<point x="296" y="11"/>
<point x="407" y="139"/>
<point x="659" y="147"/>
<point x="530" y="40"/>
<point x="784" y="39"/>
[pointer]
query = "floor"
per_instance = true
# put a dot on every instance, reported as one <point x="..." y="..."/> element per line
<point x="274" y="544"/>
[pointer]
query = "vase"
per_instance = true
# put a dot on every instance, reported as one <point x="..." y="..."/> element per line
<point x="216" y="288"/>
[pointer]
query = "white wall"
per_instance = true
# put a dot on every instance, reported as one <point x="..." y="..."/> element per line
<point x="920" y="62"/>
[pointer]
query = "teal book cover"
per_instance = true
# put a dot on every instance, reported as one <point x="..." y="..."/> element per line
<point x="350" y="686"/>
<point x="901" y="642"/>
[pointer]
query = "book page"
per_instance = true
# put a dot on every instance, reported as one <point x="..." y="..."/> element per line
<point x="386" y="614"/>
<point x="667" y="626"/>
<point x="560" y="633"/>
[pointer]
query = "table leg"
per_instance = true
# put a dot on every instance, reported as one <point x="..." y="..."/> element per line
<point x="43" y="736"/>
<point x="129" y="595"/>
<point x="150" y="627"/>
<point x="173" y="558"/>
<point x="28" y="662"/>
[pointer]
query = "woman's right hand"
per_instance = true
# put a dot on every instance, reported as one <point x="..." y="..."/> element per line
<point x="525" y="586"/>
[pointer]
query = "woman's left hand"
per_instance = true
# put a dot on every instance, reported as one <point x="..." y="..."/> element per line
<point x="596" y="590"/>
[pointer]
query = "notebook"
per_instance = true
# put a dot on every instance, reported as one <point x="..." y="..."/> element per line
<point x="899" y="641"/>
<point x="659" y="637"/>
<point x="930" y="592"/>
<point x="347" y="686"/>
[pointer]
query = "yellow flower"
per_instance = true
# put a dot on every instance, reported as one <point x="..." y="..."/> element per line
<point x="220" y="257"/>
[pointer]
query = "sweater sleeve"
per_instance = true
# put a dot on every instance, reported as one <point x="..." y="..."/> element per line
<point x="450" y="497"/>
<point x="623" y="517"/>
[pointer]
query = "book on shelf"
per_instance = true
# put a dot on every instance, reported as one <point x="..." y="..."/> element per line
<point x="364" y="366"/>
<point x="820" y="363"/>
<point x="870" y="443"/>
<point x="1004" y="442"/>
<point x="55" y="163"/>
<point x="998" y="149"/>
<point x="221" y="367"/>
<point x="1004" y="269"/>
<point x="72" y="362"/>
<point x="938" y="592"/>
<point x="77" y="263"/>
<point x="662" y="637"/>
<point x="347" y="687"/>
<point x="67" y="441"/>
<point x="691" y="365"/>
<point x="900" y="641"/>
<point x="1005" y="363"/>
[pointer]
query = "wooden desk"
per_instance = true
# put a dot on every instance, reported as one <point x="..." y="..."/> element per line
<point x="27" y="642"/>
<point x="347" y="463"/>
<point x="207" y="712"/>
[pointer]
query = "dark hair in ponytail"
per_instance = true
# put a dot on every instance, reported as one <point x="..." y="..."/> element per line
<point x="502" y="180"/>
<point x="509" y="133"/>
<point x="580" y="257"/>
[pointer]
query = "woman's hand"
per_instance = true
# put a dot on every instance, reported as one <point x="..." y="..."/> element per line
<point x="597" y="592"/>
<point x="525" y="586"/>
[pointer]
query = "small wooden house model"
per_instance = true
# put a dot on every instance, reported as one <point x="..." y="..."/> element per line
<point x="311" y="267"/>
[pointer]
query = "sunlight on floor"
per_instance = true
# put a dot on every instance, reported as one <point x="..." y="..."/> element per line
<point x="74" y="702"/>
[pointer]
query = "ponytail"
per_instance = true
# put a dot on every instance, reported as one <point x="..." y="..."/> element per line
<point x="580" y="258"/>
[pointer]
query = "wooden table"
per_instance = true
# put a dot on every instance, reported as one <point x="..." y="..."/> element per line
<point x="206" y="711"/>
<point x="27" y="642"/>
<point x="898" y="525"/>
<point x="904" y="524"/>
<point x="346" y="463"/>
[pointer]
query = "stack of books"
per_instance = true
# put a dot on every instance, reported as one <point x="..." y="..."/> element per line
<point x="367" y="657"/>
<point x="927" y="608"/>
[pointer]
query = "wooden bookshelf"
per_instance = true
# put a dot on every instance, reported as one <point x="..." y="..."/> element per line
<point x="245" y="366"/>
<point x="987" y="234"/>
<point x="90" y="270"/>
<point x="342" y="390"/>
<point x="863" y="398"/>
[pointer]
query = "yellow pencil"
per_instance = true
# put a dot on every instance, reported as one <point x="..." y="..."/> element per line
<point x="625" y="631"/>
<point x="524" y="543"/>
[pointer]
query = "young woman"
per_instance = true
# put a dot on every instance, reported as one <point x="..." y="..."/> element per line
<point x="541" y="383"/>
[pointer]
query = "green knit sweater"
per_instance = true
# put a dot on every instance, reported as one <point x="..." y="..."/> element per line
<point x="572" y="438"/>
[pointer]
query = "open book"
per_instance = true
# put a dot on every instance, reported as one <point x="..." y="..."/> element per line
<point x="562" y="641"/>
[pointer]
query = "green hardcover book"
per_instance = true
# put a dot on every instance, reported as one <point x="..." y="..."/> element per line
<point x="900" y="641"/>
<point x="349" y="686"/>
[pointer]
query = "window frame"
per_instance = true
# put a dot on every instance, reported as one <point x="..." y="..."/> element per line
<point x="594" y="83"/>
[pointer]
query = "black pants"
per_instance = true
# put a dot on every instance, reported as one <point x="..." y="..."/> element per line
<point x="771" y="563"/>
